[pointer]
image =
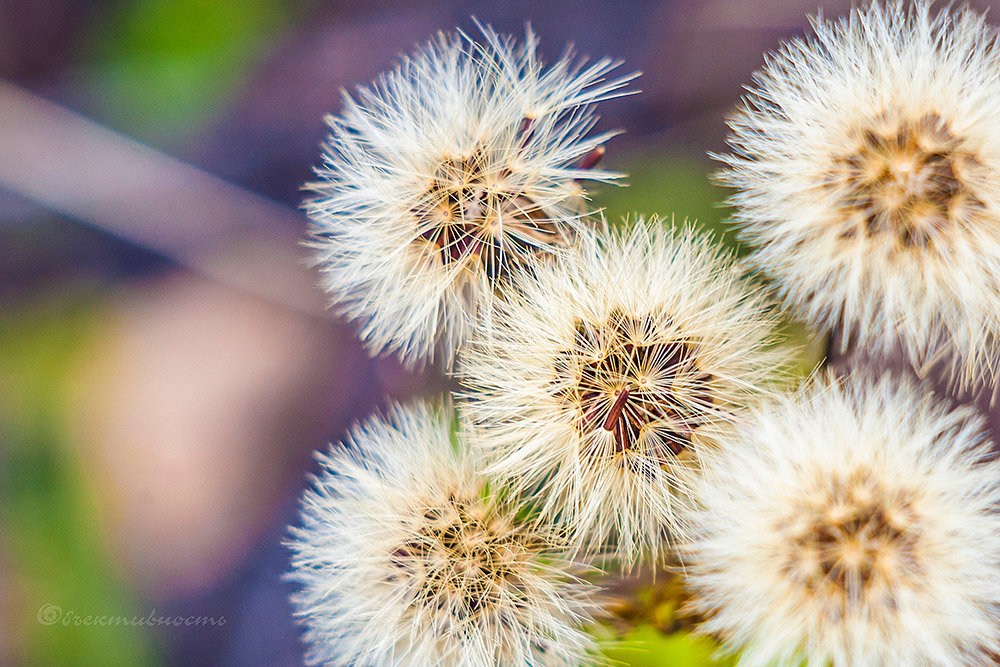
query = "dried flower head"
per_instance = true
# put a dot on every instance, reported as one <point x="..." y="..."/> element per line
<point x="867" y="162"/>
<point x="464" y="162"/>
<point x="404" y="558"/>
<point x="609" y="372"/>
<point x="852" y="525"/>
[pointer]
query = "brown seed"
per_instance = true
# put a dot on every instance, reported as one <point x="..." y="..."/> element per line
<point x="590" y="160"/>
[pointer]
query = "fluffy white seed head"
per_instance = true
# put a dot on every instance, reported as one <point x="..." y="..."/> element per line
<point x="852" y="525"/>
<point x="867" y="162"/>
<point x="464" y="162"/>
<point x="614" y="366"/>
<point x="403" y="557"/>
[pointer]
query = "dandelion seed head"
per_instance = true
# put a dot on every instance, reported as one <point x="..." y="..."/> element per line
<point x="613" y="367"/>
<point x="851" y="524"/>
<point x="404" y="557"/>
<point x="461" y="165"/>
<point x="866" y="162"/>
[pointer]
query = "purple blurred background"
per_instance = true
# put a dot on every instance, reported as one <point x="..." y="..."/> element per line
<point x="166" y="362"/>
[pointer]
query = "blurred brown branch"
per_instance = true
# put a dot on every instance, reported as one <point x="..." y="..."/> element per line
<point x="80" y="169"/>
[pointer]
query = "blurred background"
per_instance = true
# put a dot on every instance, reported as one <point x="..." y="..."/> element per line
<point x="167" y="364"/>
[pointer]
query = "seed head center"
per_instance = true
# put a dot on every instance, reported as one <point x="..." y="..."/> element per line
<point x="461" y="555"/>
<point x="906" y="182"/>
<point x="476" y="209"/>
<point x="853" y="543"/>
<point x="630" y="383"/>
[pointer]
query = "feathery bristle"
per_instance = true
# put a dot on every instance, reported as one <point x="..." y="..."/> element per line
<point x="867" y="169"/>
<point x="461" y="165"/>
<point x="852" y="525"/>
<point x="403" y="557"/>
<point x="609" y="372"/>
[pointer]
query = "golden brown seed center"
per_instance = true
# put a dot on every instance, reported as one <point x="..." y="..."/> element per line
<point x="463" y="556"/>
<point x="851" y="544"/>
<point x="628" y="381"/>
<point x="906" y="182"/>
<point x="475" y="209"/>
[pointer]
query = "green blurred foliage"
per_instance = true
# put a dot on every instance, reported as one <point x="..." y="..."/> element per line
<point x="674" y="188"/>
<point x="159" y="68"/>
<point x="48" y="516"/>
<point x="645" y="646"/>
<point x="653" y="624"/>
